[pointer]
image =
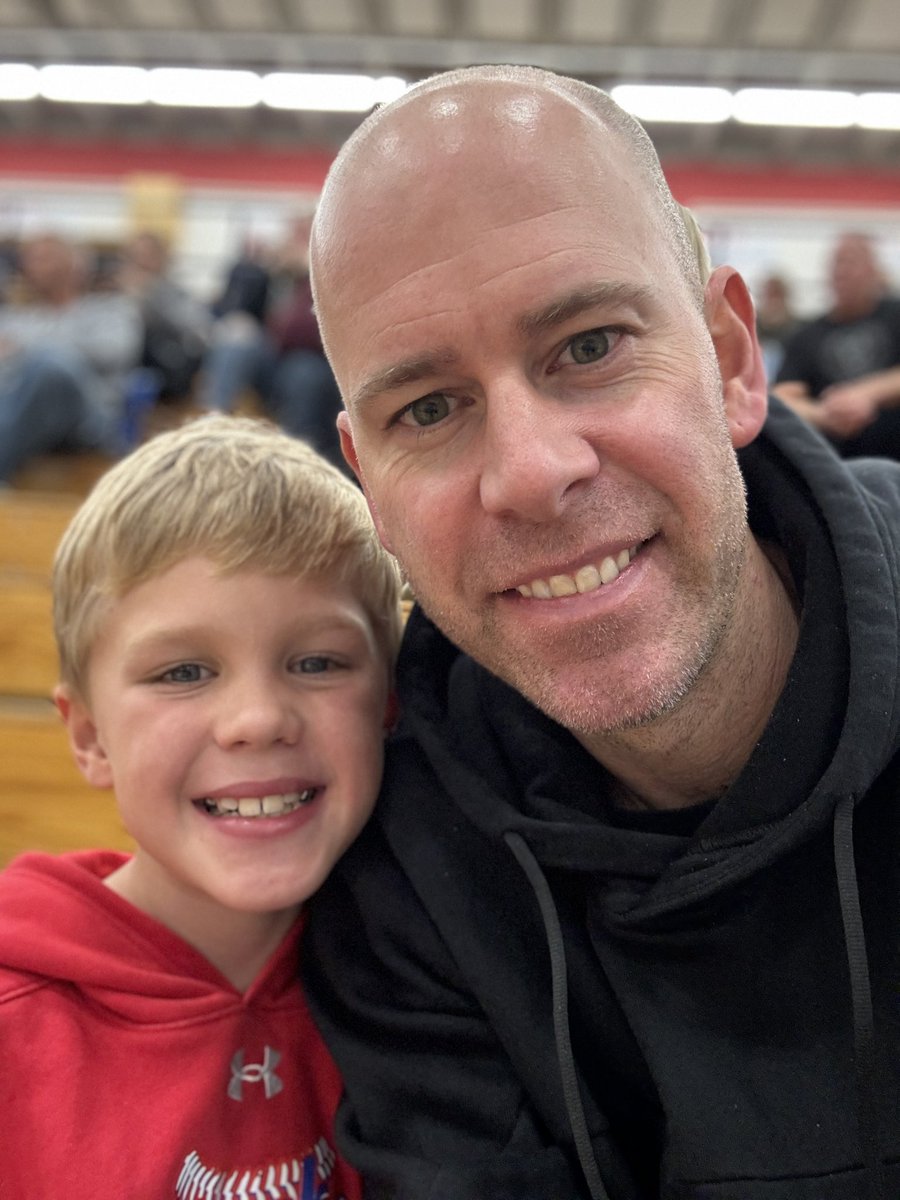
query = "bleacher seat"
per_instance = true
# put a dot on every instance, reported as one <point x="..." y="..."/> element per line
<point x="44" y="802"/>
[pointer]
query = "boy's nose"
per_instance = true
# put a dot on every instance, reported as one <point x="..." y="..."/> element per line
<point x="256" y="714"/>
<point x="533" y="454"/>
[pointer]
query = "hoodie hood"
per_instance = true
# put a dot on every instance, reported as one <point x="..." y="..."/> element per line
<point x="832" y="733"/>
<point x="61" y="923"/>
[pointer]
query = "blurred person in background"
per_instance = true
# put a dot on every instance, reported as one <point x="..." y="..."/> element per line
<point x="176" y="325"/>
<point x="776" y="321"/>
<point x="240" y="356"/>
<point x="272" y="347"/>
<point x="65" y="354"/>
<point x="304" y="397"/>
<point x="842" y="371"/>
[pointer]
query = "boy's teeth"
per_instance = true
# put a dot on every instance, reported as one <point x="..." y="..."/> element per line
<point x="258" y="806"/>
<point x="587" y="579"/>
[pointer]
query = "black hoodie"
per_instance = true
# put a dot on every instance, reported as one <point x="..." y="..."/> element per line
<point x="533" y="994"/>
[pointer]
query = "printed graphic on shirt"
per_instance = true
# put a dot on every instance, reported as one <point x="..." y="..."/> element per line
<point x="306" y="1178"/>
<point x="263" y="1073"/>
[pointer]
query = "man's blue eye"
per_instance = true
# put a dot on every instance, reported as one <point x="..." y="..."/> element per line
<point x="591" y="346"/>
<point x="428" y="410"/>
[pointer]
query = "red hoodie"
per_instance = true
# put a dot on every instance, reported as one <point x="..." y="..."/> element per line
<point x="129" y="1066"/>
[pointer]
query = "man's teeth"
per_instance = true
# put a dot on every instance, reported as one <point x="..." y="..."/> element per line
<point x="587" y="579"/>
<point x="257" y="806"/>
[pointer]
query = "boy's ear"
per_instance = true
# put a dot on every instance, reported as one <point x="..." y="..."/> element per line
<point x="348" y="449"/>
<point x="83" y="737"/>
<point x="731" y="319"/>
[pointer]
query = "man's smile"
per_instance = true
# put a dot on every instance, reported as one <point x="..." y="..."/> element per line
<point x="586" y="579"/>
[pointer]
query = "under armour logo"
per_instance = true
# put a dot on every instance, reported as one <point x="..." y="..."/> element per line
<point x="263" y="1072"/>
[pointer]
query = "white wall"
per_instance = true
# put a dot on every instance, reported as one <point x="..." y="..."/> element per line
<point x="757" y="240"/>
<point x="214" y="221"/>
<point x="795" y="242"/>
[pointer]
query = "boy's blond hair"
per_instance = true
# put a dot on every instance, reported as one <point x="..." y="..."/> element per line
<point x="697" y="242"/>
<point x="236" y="491"/>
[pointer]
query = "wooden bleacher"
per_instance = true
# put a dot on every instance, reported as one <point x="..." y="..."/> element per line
<point x="44" y="802"/>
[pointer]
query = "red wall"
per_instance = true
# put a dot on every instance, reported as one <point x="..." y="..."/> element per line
<point x="251" y="166"/>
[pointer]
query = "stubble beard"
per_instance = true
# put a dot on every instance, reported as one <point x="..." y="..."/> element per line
<point x="604" y="682"/>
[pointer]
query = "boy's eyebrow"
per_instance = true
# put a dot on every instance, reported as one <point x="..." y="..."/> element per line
<point x="149" y="639"/>
<point x="563" y="308"/>
<point x="403" y="373"/>
<point x="184" y="640"/>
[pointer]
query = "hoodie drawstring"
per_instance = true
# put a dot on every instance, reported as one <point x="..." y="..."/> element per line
<point x="864" y="1049"/>
<point x="560" y="985"/>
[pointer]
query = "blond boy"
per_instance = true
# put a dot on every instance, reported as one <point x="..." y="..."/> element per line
<point x="227" y="624"/>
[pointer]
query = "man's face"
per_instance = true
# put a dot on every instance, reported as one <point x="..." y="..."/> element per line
<point x="856" y="281"/>
<point x="537" y="416"/>
<point x="48" y="263"/>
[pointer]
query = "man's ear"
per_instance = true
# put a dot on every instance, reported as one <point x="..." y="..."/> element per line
<point x="348" y="449"/>
<point x="731" y="319"/>
<point x="83" y="737"/>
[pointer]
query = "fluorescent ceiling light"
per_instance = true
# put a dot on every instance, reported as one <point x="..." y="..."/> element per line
<point x="329" y="93"/>
<point x="878" y="110"/>
<point x="203" y="88"/>
<point x="93" y="85"/>
<point x="794" y="106"/>
<point x="659" y="102"/>
<point x="18" y="81"/>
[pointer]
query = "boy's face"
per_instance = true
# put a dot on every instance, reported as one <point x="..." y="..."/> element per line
<point x="240" y="720"/>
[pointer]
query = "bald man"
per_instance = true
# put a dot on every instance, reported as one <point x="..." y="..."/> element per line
<point x="842" y="371"/>
<point x="622" y="926"/>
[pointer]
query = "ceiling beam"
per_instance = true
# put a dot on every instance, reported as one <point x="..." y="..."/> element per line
<point x="287" y="15"/>
<point x="547" y="20"/>
<point x="636" y="20"/>
<point x="828" y="19"/>
<point x="186" y="47"/>
<point x="48" y="12"/>
<point x="206" y="15"/>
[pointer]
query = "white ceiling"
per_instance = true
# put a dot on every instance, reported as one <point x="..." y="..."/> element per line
<point x="818" y="43"/>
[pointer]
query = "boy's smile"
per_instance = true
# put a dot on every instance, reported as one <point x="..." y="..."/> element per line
<point x="239" y="719"/>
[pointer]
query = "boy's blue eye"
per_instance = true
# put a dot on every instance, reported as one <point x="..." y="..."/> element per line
<point x="183" y="673"/>
<point x="315" y="664"/>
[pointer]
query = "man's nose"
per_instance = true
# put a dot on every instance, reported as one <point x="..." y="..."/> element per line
<point x="535" y="453"/>
<point x="257" y="712"/>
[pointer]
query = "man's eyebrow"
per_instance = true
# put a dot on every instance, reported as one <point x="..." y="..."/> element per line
<point x="403" y="373"/>
<point x="564" y="308"/>
<point x="424" y="366"/>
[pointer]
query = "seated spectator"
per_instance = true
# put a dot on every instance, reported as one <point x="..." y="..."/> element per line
<point x="64" y="357"/>
<point x="842" y="371"/>
<point x="776" y="321"/>
<point x="176" y="325"/>
<point x="240" y="356"/>
<point x="278" y="355"/>
<point x="303" y="395"/>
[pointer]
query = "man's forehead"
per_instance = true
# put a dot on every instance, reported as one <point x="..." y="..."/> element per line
<point x="455" y="134"/>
